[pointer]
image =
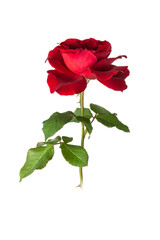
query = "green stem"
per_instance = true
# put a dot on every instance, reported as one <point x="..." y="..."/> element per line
<point x="82" y="136"/>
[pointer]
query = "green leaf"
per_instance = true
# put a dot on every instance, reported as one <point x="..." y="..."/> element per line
<point x="87" y="114"/>
<point x="107" y="118"/>
<point x="75" y="155"/>
<point x="40" y="144"/>
<point x="37" y="158"/>
<point x="86" y="122"/>
<point x="111" y="120"/>
<point x="67" y="139"/>
<point x="51" y="141"/>
<point x="98" y="109"/>
<point x="55" y="140"/>
<point x="85" y="119"/>
<point x="55" y="123"/>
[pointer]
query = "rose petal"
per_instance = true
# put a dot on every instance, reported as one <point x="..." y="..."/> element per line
<point x="108" y="72"/>
<point x="115" y="85"/>
<point x="72" y="43"/>
<point x="105" y="62"/>
<point x="87" y="73"/>
<point x="90" y="44"/>
<point x="117" y="82"/>
<point x="104" y="45"/>
<point x="55" y="59"/>
<point x="104" y="49"/>
<point x="122" y="74"/>
<point x="65" y="84"/>
<point x="77" y="62"/>
<point x="103" y="76"/>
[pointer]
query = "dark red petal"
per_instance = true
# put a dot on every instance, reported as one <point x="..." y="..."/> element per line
<point x="78" y="62"/>
<point x="117" y="82"/>
<point x="87" y="73"/>
<point x="103" y="76"/>
<point x="122" y="74"/>
<point x="55" y="59"/>
<point x="109" y="71"/>
<point x="104" y="49"/>
<point x="65" y="84"/>
<point x="104" y="46"/>
<point x="90" y="44"/>
<point x="72" y="43"/>
<point x="115" y="85"/>
<point x="102" y="64"/>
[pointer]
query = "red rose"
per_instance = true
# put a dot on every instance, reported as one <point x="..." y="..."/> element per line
<point x="75" y="60"/>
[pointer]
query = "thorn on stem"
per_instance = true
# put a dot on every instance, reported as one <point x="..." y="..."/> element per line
<point x="79" y="186"/>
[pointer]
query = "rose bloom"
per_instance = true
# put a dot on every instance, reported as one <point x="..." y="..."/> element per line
<point x="75" y="61"/>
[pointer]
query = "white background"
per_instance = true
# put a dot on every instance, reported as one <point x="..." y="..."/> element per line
<point x="121" y="194"/>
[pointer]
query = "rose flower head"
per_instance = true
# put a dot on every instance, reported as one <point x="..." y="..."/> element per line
<point x="76" y="60"/>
